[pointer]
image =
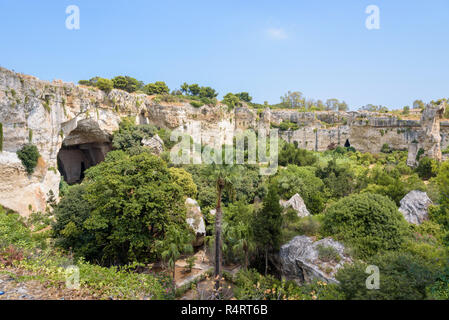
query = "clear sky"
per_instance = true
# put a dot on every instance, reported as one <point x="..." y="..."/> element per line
<point x="321" y="48"/>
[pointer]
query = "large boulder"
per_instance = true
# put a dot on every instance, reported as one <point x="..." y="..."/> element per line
<point x="414" y="207"/>
<point x="297" y="204"/>
<point x="155" y="143"/>
<point x="195" y="220"/>
<point x="303" y="259"/>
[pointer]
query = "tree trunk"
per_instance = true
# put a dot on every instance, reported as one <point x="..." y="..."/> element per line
<point x="174" y="273"/>
<point x="266" y="262"/>
<point x="245" y="248"/>
<point x="218" y="253"/>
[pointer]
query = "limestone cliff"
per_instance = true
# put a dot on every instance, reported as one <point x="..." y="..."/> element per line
<point x="72" y="126"/>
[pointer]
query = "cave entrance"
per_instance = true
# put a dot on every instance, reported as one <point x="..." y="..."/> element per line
<point x="73" y="160"/>
<point x="347" y="144"/>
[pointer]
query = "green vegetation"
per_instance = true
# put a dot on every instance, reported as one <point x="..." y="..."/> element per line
<point x="129" y="204"/>
<point x="29" y="155"/>
<point x="129" y="213"/>
<point x="369" y="223"/>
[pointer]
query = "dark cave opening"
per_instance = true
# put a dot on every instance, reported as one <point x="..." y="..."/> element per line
<point x="74" y="160"/>
<point x="347" y="144"/>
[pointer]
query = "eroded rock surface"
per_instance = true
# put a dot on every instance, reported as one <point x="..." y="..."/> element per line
<point x="155" y="143"/>
<point x="414" y="207"/>
<point x="297" y="204"/>
<point x="301" y="260"/>
<point x="57" y="114"/>
<point x="195" y="220"/>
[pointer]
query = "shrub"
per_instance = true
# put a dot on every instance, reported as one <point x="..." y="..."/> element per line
<point x="328" y="254"/>
<point x="159" y="87"/>
<point x="129" y="204"/>
<point x="302" y="180"/>
<point x="13" y="230"/>
<point x="309" y="226"/>
<point x="368" y="222"/>
<point x="402" y="277"/>
<point x="196" y="104"/>
<point x="105" y="85"/>
<point x="29" y="156"/>
<point x="427" y="168"/>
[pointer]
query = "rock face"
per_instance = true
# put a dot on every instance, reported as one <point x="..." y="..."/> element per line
<point x="72" y="127"/>
<point x="414" y="207"/>
<point x="297" y="204"/>
<point x="301" y="260"/>
<point x="429" y="136"/>
<point x="195" y="220"/>
<point x="155" y="143"/>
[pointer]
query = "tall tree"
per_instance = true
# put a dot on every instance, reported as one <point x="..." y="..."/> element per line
<point x="223" y="176"/>
<point x="268" y="223"/>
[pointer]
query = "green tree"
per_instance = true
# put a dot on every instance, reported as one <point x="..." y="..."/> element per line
<point x="293" y="100"/>
<point x="194" y="89"/>
<point x="427" y="168"/>
<point x="244" y="96"/>
<point x="133" y="200"/>
<point x="369" y="223"/>
<point x="302" y="180"/>
<point x="159" y="87"/>
<point x="231" y="100"/>
<point x="174" y="244"/>
<point x="105" y="85"/>
<point x="126" y="83"/>
<point x="223" y="177"/>
<point x="267" y="225"/>
<point x="402" y="277"/>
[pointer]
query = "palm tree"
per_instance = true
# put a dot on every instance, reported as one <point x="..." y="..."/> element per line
<point x="244" y="243"/>
<point x="223" y="175"/>
<point x="175" y="243"/>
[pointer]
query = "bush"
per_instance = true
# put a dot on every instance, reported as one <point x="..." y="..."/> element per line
<point x="105" y="85"/>
<point x="130" y="135"/>
<point x="368" y="222"/>
<point x="196" y="104"/>
<point x="328" y="254"/>
<point x="159" y="87"/>
<point x="302" y="180"/>
<point x="309" y="226"/>
<point x="129" y="204"/>
<point x="29" y="156"/>
<point x="402" y="277"/>
<point x="13" y="231"/>
<point x="427" y="168"/>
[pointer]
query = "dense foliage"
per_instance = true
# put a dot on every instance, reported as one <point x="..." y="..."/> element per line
<point x="29" y="155"/>
<point x="370" y="223"/>
<point x="133" y="201"/>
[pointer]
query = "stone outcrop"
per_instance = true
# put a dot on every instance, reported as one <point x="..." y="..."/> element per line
<point x="297" y="204"/>
<point x="429" y="136"/>
<point x="195" y="220"/>
<point x="72" y="127"/>
<point x="155" y="143"/>
<point x="300" y="260"/>
<point x="414" y="207"/>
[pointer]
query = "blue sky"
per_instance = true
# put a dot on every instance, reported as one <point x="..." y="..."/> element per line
<point x="321" y="48"/>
